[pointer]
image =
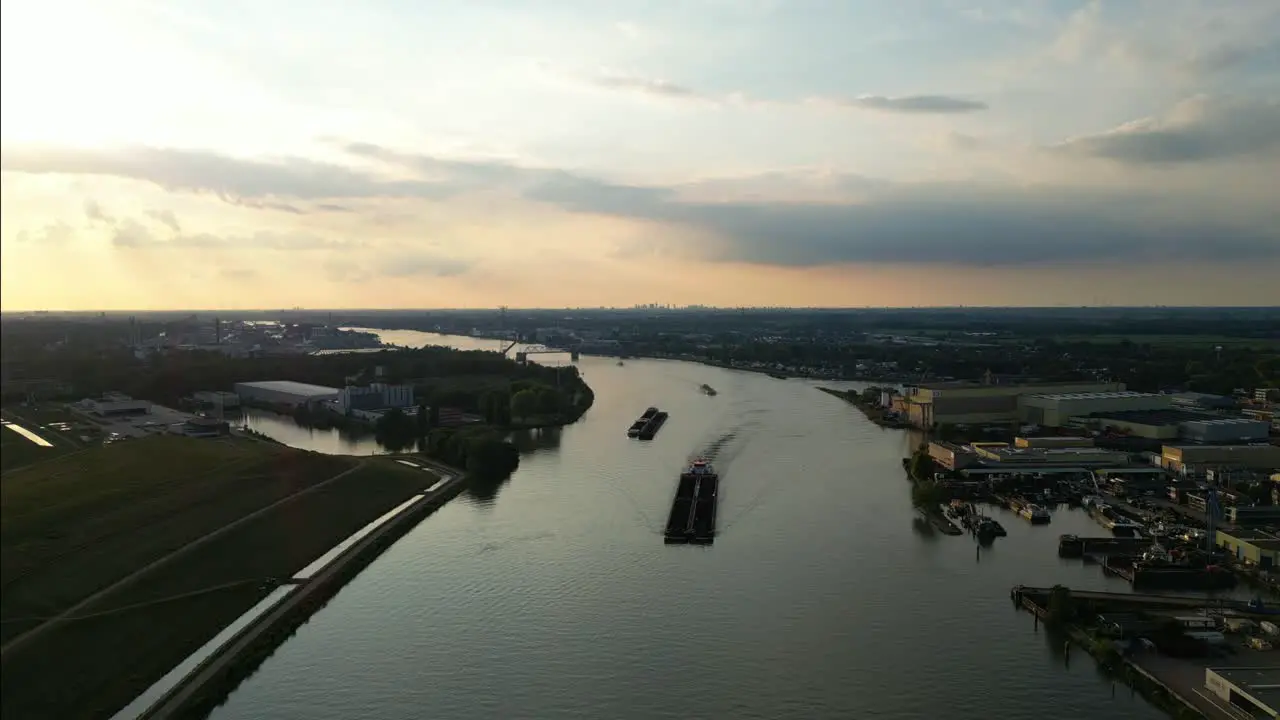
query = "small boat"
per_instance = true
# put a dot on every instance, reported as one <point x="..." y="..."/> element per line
<point x="707" y="389"/>
<point x="1034" y="513"/>
<point x="620" y="363"/>
<point x="777" y="376"/>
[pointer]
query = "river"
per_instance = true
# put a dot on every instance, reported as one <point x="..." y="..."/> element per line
<point x="553" y="595"/>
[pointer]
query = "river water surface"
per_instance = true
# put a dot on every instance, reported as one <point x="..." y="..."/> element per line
<point x="823" y="597"/>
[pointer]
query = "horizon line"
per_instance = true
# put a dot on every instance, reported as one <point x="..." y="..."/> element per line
<point x="630" y="308"/>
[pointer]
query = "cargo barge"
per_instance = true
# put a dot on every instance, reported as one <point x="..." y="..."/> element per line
<point x="641" y="422"/>
<point x="693" y="510"/>
<point x="652" y="426"/>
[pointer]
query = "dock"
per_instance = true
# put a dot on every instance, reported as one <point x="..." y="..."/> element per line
<point x="1073" y="546"/>
<point x="1040" y="597"/>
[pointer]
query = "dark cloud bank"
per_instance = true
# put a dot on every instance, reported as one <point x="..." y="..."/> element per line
<point x="921" y="223"/>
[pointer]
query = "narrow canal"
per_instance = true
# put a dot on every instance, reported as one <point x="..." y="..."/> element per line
<point x="553" y="595"/>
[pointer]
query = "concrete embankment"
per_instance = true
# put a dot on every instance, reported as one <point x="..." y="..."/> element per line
<point x="218" y="674"/>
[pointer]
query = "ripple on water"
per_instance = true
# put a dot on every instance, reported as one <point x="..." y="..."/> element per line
<point x="559" y="600"/>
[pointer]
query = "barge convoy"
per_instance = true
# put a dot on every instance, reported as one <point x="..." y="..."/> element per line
<point x="648" y="424"/>
<point x="693" y="511"/>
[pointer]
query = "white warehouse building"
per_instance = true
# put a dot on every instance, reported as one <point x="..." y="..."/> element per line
<point x="377" y="396"/>
<point x="285" y="392"/>
<point x="1054" y="410"/>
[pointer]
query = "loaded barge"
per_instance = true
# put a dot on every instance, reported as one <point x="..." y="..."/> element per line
<point x="647" y="425"/>
<point x="693" y="511"/>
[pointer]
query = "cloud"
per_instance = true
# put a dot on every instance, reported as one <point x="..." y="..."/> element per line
<point x="53" y="234"/>
<point x="949" y="223"/>
<point x="836" y="217"/>
<point x="256" y="183"/>
<point x="166" y="218"/>
<point x="134" y="235"/>
<point x="238" y="274"/>
<point x="645" y="86"/>
<point x="421" y="264"/>
<point x="911" y="104"/>
<point x="95" y="213"/>
<point x="1199" y="129"/>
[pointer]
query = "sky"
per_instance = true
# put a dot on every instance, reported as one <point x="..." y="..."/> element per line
<point x="167" y="154"/>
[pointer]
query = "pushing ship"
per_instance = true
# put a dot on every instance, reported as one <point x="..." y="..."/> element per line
<point x="693" y="510"/>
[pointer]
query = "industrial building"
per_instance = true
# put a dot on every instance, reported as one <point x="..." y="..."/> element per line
<point x="113" y="404"/>
<point x="1255" y="515"/>
<point x="1194" y="459"/>
<point x="216" y="398"/>
<point x="952" y="456"/>
<point x="974" y="403"/>
<point x="1203" y="401"/>
<point x="1053" y="442"/>
<point x="377" y="396"/>
<point x="1075" y="457"/>
<point x="1057" y="409"/>
<point x="1224" y="431"/>
<point x="285" y="392"/>
<point x="1255" y="690"/>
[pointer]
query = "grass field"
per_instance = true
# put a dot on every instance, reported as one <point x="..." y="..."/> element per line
<point x="17" y="451"/>
<point x="75" y="525"/>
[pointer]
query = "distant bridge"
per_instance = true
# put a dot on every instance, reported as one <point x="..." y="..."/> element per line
<point x="523" y="355"/>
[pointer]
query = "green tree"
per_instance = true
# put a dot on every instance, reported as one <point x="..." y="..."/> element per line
<point x="524" y="403"/>
<point x="921" y="466"/>
<point x="927" y="494"/>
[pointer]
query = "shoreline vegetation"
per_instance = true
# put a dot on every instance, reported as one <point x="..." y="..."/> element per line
<point x="173" y="532"/>
<point x="927" y="495"/>
<point x="189" y="534"/>
<point x="866" y="401"/>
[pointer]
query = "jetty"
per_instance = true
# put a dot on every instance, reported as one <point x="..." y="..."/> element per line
<point x="693" y="509"/>
<point x="1074" y="546"/>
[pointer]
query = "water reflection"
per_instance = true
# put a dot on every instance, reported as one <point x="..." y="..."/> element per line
<point x="923" y="528"/>
<point x="482" y="491"/>
<point x="536" y="439"/>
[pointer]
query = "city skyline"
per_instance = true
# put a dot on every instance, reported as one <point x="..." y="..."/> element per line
<point x="821" y="154"/>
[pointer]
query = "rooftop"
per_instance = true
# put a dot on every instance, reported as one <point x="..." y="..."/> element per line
<point x="291" y="387"/>
<point x="1223" y="422"/>
<point x="1153" y="417"/>
<point x="1097" y="395"/>
<point x="1261" y="683"/>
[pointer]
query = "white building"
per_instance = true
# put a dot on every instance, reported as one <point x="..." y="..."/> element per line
<point x="113" y="403"/>
<point x="377" y="396"/>
<point x="285" y="392"/>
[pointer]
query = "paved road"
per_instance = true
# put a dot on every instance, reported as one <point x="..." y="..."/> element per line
<point x="228" y="654"/>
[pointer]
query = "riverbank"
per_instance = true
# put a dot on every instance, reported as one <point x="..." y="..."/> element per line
<point x="175" y="533"/>
<point x="225" y="668"/>
<point x="873" y="413"/>
<point x="1178" y="695"/>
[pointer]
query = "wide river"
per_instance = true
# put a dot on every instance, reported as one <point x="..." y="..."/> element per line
<point x="553" y="595"/>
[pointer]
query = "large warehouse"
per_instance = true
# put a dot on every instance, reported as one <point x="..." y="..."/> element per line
<point x="1056" y="409"/>
<point x="970" y="403"/>
<point x="285" y="392"/>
